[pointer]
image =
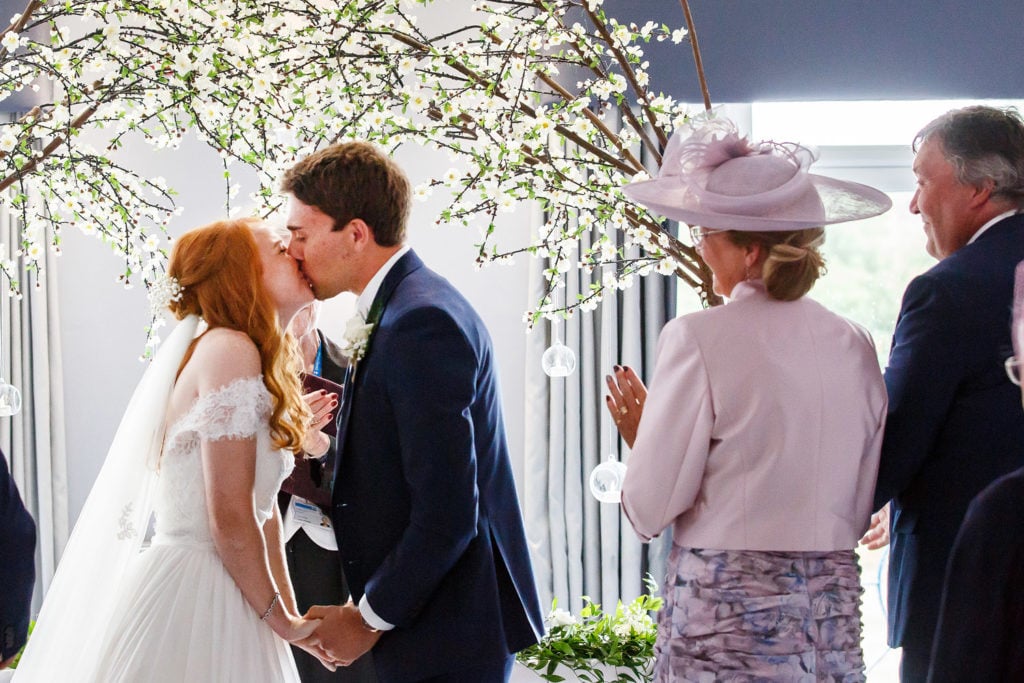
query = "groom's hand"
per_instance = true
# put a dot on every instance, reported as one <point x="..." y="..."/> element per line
<point x="310" y="645"/>
<point x="342" y="635"/>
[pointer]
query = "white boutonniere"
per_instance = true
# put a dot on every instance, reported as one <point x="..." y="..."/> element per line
<point x="356" y="337"/>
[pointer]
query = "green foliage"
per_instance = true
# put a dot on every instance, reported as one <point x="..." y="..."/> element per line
<point x="623" y="639"/>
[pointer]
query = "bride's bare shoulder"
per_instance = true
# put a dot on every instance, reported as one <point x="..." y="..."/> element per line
<point x="221" y="356"/>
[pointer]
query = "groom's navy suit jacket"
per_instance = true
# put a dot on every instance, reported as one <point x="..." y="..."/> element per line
<point x="955" y="421"/>
<point x="424" y="503"/>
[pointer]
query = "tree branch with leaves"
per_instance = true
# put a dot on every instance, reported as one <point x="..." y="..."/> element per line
<point x="545" y="101"/>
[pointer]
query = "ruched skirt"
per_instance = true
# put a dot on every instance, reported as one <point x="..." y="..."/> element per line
<point x="740" y="615"/>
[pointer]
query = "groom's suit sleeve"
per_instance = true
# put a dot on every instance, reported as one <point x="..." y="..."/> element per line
<point x="432" y="370"/>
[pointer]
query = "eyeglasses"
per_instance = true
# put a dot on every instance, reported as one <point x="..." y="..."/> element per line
<point x="699" y="234"/>
<point x="1012" y="366"/>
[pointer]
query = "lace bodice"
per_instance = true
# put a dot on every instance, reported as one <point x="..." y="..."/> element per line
<point x="238" y="410"/>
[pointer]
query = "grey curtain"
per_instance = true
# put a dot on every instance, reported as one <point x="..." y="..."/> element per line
<point x="30" y="358"/>
<point x="582" y="547"/>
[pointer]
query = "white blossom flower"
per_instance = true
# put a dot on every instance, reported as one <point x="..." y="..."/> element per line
<point x="561" y="617"/>
<point x="10" y="41"/>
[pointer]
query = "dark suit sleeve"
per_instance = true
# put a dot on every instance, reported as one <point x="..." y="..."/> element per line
<point x="432" y="373"/>
<point x="925" y="367"/>
<point x="334" y="366"/>
<point x="983" y="573"/>
<point x="17" y="566"/>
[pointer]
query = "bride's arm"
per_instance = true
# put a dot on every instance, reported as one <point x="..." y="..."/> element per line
<point x="230" y="467"/>
<point x="274" y="536"/>
<point x="229" y="473"/>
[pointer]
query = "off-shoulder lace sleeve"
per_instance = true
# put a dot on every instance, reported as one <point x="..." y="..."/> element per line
<point x="235" y="411"/>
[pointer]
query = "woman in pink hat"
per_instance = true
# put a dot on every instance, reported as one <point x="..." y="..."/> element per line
<point x="761" y="430"/>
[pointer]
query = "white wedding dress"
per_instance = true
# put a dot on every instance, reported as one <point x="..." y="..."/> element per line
<point x="180" y="616"/>
<point x="118" y="611"/>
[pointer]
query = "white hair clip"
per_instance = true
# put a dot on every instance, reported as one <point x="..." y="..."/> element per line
<point x="162" y="291"/>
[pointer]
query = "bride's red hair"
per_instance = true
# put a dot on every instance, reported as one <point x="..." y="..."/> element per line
<point x="219" y="269"/>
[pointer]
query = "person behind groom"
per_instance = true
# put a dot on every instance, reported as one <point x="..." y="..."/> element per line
<point x="954" y="423"/>
<point x="311" y="549"/>
<point x="424" y="504"/>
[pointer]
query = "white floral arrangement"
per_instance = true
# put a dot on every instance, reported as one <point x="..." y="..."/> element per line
<point x="622" y="640"/>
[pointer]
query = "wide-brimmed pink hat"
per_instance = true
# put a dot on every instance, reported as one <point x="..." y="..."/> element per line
<point x="712" y="177"/>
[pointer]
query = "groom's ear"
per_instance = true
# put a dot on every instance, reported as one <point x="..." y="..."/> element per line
<point x="362" y="234"/>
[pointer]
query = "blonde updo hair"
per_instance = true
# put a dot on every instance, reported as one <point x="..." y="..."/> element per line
<point x="791" y="260"/>
<point x="219" y="269"/>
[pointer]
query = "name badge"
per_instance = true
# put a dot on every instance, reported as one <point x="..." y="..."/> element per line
<point x="309" y="515"/>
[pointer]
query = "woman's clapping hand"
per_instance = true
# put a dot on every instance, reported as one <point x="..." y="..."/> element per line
<point x="625" y="401"/>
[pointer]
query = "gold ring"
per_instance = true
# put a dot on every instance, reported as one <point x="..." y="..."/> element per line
<point x="623" y="410"/>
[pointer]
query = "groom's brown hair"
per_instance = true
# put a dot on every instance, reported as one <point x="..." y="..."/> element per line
<point x="354" y="180"/>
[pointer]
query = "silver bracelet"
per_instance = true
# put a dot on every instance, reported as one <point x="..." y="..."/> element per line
<point x="277" y="596"/>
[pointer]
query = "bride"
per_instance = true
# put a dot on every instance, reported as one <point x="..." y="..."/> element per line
<point x="204" y="445"/>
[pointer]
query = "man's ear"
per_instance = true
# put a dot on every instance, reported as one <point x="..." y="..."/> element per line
<point x="362" y="234"/>
<point x="982" y="193"/>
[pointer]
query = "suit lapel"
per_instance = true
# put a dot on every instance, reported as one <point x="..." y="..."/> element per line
<point x="403" y="267"/>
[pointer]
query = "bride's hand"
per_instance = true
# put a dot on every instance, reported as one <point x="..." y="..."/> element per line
<point x="322" y="404"/>
<point x="311" y="645"/>
<point x="299" y="629"/>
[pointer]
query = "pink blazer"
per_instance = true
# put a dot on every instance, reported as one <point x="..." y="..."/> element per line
<point x="761" y="431"/>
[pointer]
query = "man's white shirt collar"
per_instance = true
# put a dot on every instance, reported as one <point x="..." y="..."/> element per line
<point x="992" y="222"/>
<point x="365" y="300"/>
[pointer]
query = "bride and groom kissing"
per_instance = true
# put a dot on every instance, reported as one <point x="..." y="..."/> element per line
<point x="423" y="502"/>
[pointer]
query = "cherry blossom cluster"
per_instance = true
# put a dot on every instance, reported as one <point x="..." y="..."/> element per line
<point x="544" y="101"/>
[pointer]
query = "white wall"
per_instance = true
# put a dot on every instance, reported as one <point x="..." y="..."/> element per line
<point x="102" y="323"/>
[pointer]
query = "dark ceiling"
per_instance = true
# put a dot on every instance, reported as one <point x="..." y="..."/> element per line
<point x="838" y="49"/>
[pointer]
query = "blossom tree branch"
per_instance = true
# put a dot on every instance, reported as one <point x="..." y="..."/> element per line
<point x="697" y="60"/>
<point x="265" y="82"/>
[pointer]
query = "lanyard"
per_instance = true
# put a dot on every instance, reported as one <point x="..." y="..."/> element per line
<point x="318" y="364"/>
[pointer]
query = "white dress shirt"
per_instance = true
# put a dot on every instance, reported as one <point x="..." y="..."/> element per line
<point x="982" y="229"/>
<point x="369" y="293"/>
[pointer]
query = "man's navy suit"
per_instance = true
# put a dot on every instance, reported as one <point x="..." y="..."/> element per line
<point x="981" y="626"/>
<point x="954" y="424"/>
<point x="424" y="503"/>
<point x="17" y="565"/>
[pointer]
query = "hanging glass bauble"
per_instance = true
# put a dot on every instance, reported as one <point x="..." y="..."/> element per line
<point x="559" y="360"/>
<point x="606" y="480"/>
<point x="10" y="399"/>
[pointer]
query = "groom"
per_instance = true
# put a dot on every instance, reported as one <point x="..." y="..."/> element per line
<point x="424" y="505"/>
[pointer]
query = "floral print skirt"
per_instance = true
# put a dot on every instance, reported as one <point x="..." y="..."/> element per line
<point x="743" y="615"/>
